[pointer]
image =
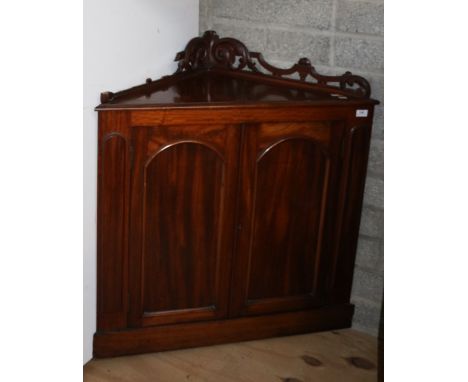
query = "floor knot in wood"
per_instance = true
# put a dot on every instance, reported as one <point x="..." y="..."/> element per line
<point x="312" y="361"/>
<point x="361" y="363"/>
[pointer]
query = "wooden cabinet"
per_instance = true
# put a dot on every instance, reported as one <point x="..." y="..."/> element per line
<point x="229" y="201"/>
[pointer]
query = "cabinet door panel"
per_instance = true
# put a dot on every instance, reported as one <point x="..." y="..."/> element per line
<point x="183" y="222"/>
<point x="289" y="196"/>
<point x="288" y="174"/>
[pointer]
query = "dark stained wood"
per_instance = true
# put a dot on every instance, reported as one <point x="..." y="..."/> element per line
<point x="209" y="51"/>
<point x="179" y="258"/>
<point x="222" y="70"/>
<point x="229" y="202"/>
<point x="289" y="197"/>
<point x="285" y="228"/>
<point x="186" y="335"/>
<point x="183" y="193"/>
<point x="113" y="178"/>
<point x="113" y="187"/>
<point x="352" y="190"/>
<point x="220" y="88"/>
<point x="246" y="115"/>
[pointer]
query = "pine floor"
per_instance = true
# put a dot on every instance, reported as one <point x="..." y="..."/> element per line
<point x="341" y="356"/>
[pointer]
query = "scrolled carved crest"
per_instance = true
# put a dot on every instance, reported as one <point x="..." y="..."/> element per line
<point x="211" y="51"/>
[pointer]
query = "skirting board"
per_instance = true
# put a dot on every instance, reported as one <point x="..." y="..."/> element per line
<point x="186" y="335"/>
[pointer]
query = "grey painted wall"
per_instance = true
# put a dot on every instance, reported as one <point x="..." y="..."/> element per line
<point x="336" y="35"/>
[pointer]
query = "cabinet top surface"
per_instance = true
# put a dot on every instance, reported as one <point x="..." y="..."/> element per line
<point x="222" y="72"/>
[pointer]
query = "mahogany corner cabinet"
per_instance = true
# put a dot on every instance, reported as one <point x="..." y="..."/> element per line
<point x="229" y="201"/>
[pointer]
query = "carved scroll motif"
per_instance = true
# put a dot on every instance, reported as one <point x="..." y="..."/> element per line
<point x="210" y="51"/>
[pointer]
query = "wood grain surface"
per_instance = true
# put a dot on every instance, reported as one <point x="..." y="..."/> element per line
<point x="341" y="356"/>
<point x="229" y="202"/>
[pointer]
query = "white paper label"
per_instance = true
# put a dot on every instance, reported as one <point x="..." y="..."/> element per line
<point x="340" y="96"/>
<point x="362" y="112"/>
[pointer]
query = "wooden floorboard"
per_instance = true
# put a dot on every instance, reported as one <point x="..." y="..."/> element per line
<point x="341" y="355"/>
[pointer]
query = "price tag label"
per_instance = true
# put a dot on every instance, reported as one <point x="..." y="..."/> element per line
<point x="362" y="113"/>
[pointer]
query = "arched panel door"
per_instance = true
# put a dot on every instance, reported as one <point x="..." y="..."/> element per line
<point x="182" y="223"/>
<point x="286" y="216"/>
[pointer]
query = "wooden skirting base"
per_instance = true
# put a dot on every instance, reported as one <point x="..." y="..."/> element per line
<point x="177" y="336"/>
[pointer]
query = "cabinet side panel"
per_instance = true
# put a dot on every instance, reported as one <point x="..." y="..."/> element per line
<point x="352" y="192"/>
<point x="112" y="236"/>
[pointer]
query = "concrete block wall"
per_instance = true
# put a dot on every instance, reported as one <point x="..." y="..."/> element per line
<point x="336" y="35"/>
